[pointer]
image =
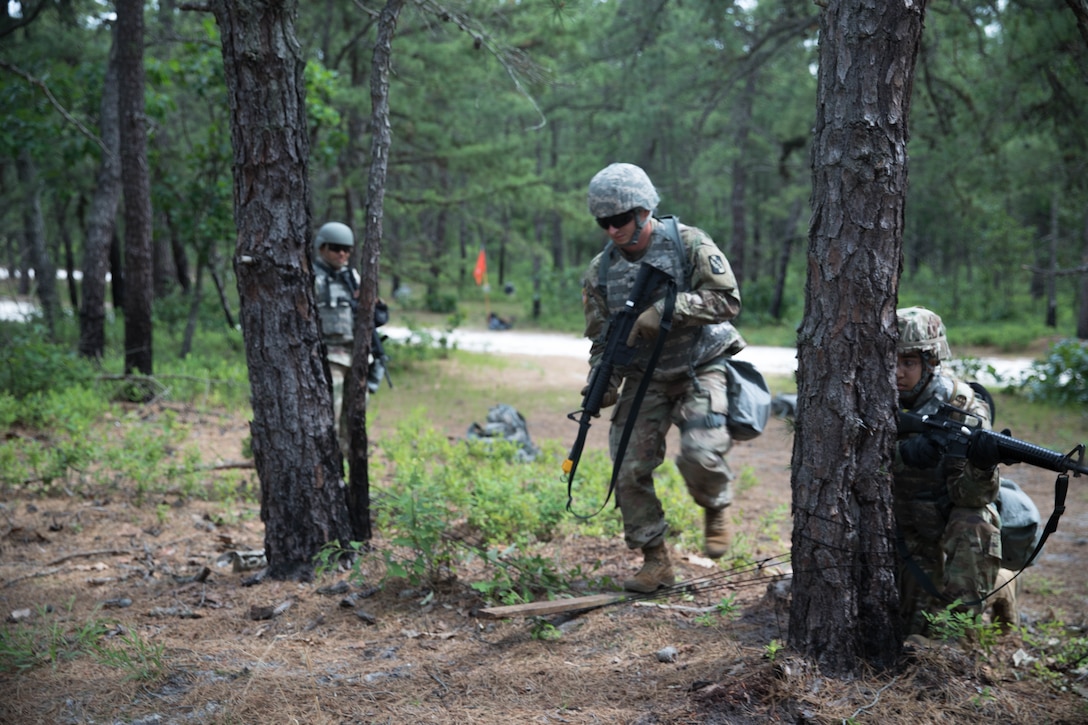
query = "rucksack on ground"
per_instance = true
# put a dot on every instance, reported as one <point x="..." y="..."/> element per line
<point x="504" y="422"/>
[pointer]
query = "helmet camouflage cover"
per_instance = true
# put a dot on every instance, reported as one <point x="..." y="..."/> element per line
<point x="334" y="233"/>
<point x="921" y="330"/>
<point x="621" y="187"/>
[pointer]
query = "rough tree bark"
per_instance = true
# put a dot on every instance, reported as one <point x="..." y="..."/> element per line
<point x="844" y="595"/>
<point x="359" y="488"/>
<point x="295" y="451"/>
<point x="136" y="183"/>
<point x="102" y="219"/>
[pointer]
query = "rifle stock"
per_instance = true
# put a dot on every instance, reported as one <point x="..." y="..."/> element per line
<point x="959" y="435"/>
<point x="616" y="354"/>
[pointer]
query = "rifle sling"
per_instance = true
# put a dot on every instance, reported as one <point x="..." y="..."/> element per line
<point x="636" y="403"/>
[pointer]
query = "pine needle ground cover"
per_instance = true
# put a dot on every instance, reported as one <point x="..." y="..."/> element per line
<point x="125" y="605"/>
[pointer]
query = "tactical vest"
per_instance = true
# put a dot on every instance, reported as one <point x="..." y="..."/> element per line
<point x="686" y="347"/>
<point x="335" y="302"/>
<point x="921" y="495"/>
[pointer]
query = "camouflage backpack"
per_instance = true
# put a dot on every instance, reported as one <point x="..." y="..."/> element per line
<point x="504" y="422"/>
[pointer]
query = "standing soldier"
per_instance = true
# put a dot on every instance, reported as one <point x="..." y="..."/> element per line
<point x="687" y="387"/>
<point x="336" y="288"/>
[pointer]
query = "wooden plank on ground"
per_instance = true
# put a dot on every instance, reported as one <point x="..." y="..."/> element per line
<point x="557" y="606"/>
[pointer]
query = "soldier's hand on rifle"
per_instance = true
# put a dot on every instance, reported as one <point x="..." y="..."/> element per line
<point x="611" y="395"/>
<point x="983" y="453"/>
<point x="921" y="451"/>
<point x="646" y="327"/>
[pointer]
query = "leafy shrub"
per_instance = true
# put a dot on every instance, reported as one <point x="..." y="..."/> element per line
<point x="1061" y="377"/>
<point x="29" y="364"/>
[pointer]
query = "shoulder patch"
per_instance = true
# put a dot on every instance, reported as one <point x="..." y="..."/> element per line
<point x="717" y="264"/>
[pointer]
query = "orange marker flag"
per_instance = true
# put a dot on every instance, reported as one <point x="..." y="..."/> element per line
<point x="481" y="267"/>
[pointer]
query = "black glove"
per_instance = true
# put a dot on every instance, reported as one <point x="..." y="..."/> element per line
<point x="983" y="453"/>
<point x="921" y="451"/>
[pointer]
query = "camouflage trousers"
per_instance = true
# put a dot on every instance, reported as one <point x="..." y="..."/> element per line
<point x="698" y="409"/>
<point x="340" y="370"/>
<point x="962" y="564"/>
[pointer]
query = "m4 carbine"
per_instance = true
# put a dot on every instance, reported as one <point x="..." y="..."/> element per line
<point x="616" y="354"/>
<point x="958" y="430"/>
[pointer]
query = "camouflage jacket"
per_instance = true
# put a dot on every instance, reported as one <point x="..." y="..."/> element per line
<point x="707" y="299"/>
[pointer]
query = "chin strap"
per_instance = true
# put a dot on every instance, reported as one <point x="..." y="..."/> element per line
<point x="639" y="224"/>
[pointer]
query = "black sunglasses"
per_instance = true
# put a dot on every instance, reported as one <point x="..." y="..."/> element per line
<point x="336" y="248"/>
<point x="619" y="221"/>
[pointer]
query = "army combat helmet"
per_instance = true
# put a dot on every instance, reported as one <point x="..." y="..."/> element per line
<point x="621" y="187"/>
<point x="334" y="233"/>
<point x="921" y="330"/>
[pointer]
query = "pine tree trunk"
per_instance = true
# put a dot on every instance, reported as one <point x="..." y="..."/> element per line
<point x="295" y="449"/>
<point x="136" y="184"/>
<point x="844" y="604"/>
<point x="102" y="219"/>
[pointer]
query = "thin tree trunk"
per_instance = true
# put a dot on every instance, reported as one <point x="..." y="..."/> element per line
<point x="359" y="481"/>
<point x="136" y="183"/>
<point x="295" y="449"/>
<point x="117" y="271"/>
<point x="738" y="205"/>
<point x="1082" y="316"/>
<point x="61" y="216"/>
<point x="164" y="267"/>
<point x="845" y="598"/>
<point x="788" y="238"/>
<point x="45" y="272"/>
<point x="194" y="313"/>
<point x="1052" y="266"/>
<point x="102" y="220"/>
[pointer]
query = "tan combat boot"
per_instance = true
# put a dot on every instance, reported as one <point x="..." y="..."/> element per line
<point x="717" y="534"/>
<point x="656" y="571"/>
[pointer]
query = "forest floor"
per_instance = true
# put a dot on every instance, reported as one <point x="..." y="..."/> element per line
<point x="288" y="652"/>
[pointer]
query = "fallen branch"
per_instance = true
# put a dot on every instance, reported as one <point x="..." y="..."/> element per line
<point x="85" y="554"/>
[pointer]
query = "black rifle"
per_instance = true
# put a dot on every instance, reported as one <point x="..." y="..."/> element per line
<point x="616" y="354"/>
<point x="959" y="435"/>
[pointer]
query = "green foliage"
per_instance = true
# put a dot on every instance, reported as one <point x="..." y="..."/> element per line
<point x="545" y="631"/>
<point x="1062" y="649"/>
<point x="126" y="650"/>
<point x="727" y="609"/>
<point x="1061" y="377"/>
<point x="436" y="486"/>
<point x="954" y="623"/>
<point x="416" y="517"/>
<point x="29" y="364"/>
<point x="47" y="640"/>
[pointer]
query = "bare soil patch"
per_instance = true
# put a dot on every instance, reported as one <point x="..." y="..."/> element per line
<point x="408" y="656"/>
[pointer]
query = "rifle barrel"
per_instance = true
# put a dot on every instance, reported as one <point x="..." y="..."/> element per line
<point x="1024" y="452"/>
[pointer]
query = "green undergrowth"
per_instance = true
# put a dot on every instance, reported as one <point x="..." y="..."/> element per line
<point x="51" y="637"/>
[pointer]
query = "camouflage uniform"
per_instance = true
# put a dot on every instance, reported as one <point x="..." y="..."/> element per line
<point x="334" y="291"/>
<point x="688" y="385"/>
<point x="946" y="515"/>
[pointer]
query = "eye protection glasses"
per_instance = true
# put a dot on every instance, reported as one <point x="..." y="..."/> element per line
<point x="618" y="221"/>
<point x="338" y="248"/>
